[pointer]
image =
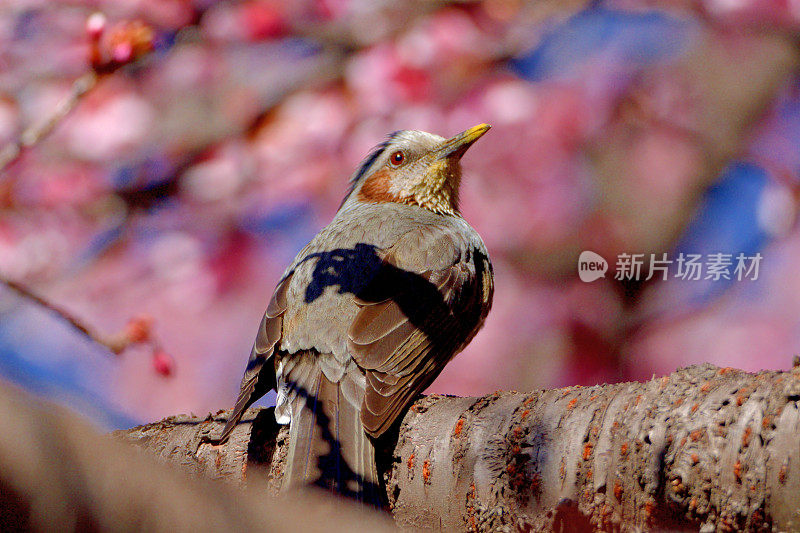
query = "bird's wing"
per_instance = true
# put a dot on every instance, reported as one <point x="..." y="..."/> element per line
<point x="259" y="378"/>
<point x="412" y="323"/>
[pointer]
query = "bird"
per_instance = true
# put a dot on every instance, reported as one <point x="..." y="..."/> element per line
<point x="369" y="313"/>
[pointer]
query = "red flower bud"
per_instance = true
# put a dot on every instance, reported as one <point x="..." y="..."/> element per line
<point x="163" y="363"/>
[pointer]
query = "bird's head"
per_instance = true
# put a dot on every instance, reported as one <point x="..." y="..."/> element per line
<point x="414" y="168"/>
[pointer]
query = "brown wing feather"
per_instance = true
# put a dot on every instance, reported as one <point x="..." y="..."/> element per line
<point x="379" y="412"/>
<point x="259" y="378"/>
<point x="375" y="321"/>
<point x="404" y="342"/>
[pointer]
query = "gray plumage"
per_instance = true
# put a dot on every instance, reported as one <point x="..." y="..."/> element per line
<point x="362" y="321"/>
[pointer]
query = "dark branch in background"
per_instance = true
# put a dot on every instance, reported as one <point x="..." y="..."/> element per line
<point x="137" y="331"/>
<point x="79" y="325"/>
<point x="34" y="134"/>
<point x="707" y="447"/>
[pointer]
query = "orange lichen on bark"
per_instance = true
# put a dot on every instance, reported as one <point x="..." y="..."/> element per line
<point x="649" y="507"/>
<point x="536" y="483"/>
<point x="426" y="472"/>
<point x="748" y="432"/>
<point x="587" y="451"/>
<point x="459" y="425"/>
<point x="618" y="491"/>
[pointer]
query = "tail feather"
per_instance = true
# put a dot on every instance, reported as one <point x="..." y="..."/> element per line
<point x="327" y="444"/>
<point x="259" y="378"/>
<point x="242" y="403"/>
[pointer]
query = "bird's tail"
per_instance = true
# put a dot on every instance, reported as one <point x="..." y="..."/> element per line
<point x="327" y="443"/>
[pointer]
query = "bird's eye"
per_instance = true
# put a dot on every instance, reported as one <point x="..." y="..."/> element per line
<point x="397" y="158"/>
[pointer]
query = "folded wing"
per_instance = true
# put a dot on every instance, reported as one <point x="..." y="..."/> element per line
<point x="411" y="324"/>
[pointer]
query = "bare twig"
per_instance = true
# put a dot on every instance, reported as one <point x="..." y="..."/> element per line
<point x="111" y="344"/>
<point x="126" y="43"/>
<point x="35" y="133"/>
<point x="137" y="331"/>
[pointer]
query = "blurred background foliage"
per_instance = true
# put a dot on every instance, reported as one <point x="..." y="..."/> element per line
<point x="181" y="185"/>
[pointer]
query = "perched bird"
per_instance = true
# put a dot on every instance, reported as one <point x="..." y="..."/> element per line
<point x="370" y="312"/>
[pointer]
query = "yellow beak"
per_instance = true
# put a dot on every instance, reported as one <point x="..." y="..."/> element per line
<point x="456" y="146"/>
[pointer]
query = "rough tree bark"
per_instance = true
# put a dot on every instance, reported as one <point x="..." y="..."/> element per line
<point x="706" y="447"/>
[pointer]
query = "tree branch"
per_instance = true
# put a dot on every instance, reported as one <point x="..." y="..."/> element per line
<point x="705" y="447"/>
<point x="127" y="43"/>
<point x="137" y="331"/>
<point x="84" y="329"/>
<point x="58" y="474"/>
<point x="35" y="133"/>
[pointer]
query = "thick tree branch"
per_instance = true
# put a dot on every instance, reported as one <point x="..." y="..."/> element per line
<point x="58" y="474"/>
<point x="705" y="447"/>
